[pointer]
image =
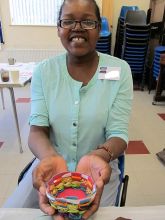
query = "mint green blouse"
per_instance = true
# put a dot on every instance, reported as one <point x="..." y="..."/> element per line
<point x="80" y="117"/>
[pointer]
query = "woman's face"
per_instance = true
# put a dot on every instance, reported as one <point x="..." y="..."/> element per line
<point x="79" y="41"/>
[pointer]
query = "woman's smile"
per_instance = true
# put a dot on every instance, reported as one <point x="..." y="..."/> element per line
<point x="78" y="39"/>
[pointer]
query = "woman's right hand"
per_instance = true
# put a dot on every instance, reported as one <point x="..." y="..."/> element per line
<point x="44" y="171"/>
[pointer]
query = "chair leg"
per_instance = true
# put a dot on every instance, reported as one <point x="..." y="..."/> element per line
<point x="124" y="191"/>
<point x="2" y="97"/>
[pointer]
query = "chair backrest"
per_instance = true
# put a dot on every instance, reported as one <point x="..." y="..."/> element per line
<point x="26" y="168"/>
<point x="138" y="17"/>
<point x="124" y="10"/>
<point x="105" y="32"/>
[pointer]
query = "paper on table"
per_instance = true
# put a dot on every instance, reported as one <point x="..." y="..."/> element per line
<point x="8" y="67"/>
<point x="18" y="66"/>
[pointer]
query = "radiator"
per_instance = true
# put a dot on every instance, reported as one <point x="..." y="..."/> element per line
<point x="28" y="55"/>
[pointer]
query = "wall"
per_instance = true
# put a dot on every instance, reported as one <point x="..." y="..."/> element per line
<point x="107" y="10"/>
<point x="157" y="10"/>
<point x="46" y="37"/>
<point x="26" y="36"/>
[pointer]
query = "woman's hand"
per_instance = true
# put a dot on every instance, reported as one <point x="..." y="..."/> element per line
<point x="100" y="172"/>
<point x="47" y="168"/>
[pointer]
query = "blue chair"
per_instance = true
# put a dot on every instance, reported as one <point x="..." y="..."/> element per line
<point x="135" y="44"/>
<point x="120" y="29"/>
<point x="104" y="43"/>
<point x="156" y="61"/>
<point x="137" y="17"/>
<point x="105" y="32"/>
<point x="122" y="190"/>
<point x="25" y="169"/>
<point x="124" y="10"/>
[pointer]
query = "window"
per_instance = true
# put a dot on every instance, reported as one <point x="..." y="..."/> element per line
<point x="34" y="12"/>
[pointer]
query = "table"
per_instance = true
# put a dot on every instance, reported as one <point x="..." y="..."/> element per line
<point x="108" y="213"/>
<point x="25" y="70"/>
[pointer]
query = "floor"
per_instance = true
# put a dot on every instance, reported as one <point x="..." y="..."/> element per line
<point x="147" y="137"/>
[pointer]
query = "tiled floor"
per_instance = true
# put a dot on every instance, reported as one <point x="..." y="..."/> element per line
<point x="147" y="137"/>
<point x="137" y="147"/>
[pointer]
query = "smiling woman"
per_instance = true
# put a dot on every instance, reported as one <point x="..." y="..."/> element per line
<point x="82" y="30"/>
<point x="78" y="109"/>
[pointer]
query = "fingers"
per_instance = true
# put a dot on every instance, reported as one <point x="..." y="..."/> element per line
<point x="47" y="168"/>
<point x="42" y="190"/>
<point x="44" y="205"/>
<point x="37" y="177"/>
<point x="95" y="205"/>
<point x="106" y="173"/>
<point x="47" y="209"/>
<point x="58" y="217"/>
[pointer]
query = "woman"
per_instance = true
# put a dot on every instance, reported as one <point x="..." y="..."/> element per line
<point x="81" y="102"/>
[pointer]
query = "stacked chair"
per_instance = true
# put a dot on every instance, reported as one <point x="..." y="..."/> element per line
<point x="120" y="29"/>
<point x="156" y="62"/>
<point x="159" y="95"/>
<point x="135" y="43"/>
<point x="104" y="43"/>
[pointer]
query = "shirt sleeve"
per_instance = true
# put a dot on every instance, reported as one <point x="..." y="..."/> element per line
<point x="119" y="113"/>
<point x="39" y="112"/>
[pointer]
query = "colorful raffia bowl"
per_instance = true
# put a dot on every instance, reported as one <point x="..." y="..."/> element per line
<point x="71" y="193"/>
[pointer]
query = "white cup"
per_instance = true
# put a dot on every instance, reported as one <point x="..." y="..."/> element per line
<point x="11" y="61"/>
<point x="14" y="74"/>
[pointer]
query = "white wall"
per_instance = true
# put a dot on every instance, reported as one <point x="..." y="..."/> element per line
<point x="26" y="36"/>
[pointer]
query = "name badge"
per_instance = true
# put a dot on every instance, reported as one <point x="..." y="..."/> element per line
<point x="109" y="73"/>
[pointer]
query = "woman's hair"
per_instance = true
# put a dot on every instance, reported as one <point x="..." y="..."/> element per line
<point x="97" y="10"/>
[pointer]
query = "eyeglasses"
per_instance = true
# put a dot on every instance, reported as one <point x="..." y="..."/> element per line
<point x="71" y="24"/>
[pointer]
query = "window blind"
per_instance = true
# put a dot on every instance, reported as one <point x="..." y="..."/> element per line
<point x="34" y="12"/>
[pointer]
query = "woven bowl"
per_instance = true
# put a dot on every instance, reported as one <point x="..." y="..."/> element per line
<point x="71" y="193"/>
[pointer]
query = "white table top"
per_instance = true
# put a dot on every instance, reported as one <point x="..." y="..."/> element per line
<point x="16" y="66"/>
<point x="25" y="70"/>
<point x="108" y="213"/>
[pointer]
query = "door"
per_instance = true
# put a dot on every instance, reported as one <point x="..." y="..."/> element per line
<point x="107" y="10"/>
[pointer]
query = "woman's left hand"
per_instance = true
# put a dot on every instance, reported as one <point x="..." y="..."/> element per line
<point x="100" y="171"/>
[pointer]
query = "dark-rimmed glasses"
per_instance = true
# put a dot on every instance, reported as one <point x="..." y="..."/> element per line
<point x="71" y="24"/>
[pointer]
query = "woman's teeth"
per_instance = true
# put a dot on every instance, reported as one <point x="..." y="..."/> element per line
<point x="78" y="39"/>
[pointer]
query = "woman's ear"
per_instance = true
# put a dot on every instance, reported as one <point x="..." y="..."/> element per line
<point x="58" y="31"/>
<point x="99" y="29"/>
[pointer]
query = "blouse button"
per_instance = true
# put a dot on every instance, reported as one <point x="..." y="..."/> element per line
<point x="74" y="124"/>
<point x="76" y="102"/>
